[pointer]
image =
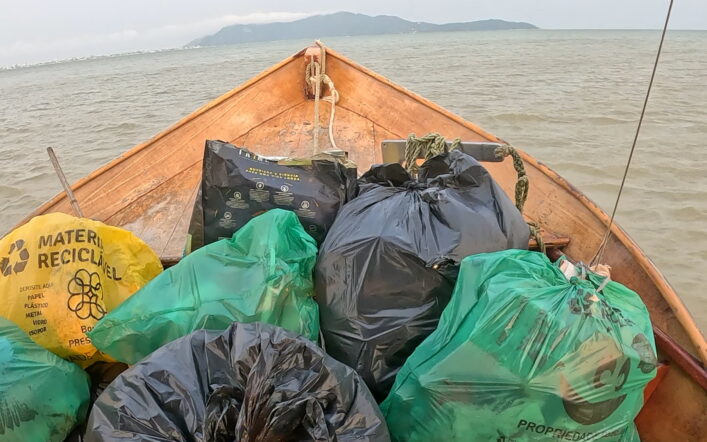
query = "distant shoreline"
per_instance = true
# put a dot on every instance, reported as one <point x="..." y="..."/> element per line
<point x="94" y="57"/>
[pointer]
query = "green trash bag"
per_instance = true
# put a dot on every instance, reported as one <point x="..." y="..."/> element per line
<point x="42" y="396"/>
<point x="522" y="353"/>
<point x="263" y="273"/>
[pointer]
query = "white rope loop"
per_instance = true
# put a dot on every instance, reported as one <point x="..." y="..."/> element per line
<point x="315" y="75"/>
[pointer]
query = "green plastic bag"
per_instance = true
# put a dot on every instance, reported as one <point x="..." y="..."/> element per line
<point x="522" y="353"/>
<point x="42" y="396"/>
<point x="263" y="273"/>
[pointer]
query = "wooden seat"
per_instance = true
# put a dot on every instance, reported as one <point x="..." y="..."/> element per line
<point x="552" y="240"/>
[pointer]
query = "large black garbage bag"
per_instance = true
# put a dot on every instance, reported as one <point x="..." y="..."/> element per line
<point x="388" y="265"/>
<point x="252" y="382"/>
<point x="238" y="184"/>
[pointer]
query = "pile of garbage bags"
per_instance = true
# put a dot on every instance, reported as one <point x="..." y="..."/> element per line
<point x="306" y="298"/>
<point x="387" y="267"/>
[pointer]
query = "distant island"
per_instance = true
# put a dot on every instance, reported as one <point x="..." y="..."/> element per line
<point x="343" y="24"/>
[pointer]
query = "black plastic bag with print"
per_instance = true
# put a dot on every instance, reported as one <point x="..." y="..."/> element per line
<point x="238" y="184"/>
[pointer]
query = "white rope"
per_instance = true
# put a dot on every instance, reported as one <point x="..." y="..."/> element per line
<point x="333" y="98"/>
<point x="317" y="79"/>
<point x="315" y="76"/>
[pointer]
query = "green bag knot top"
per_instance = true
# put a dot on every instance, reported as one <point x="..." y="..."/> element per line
<point x="263" y="273"/>
<point x="522" y="353"/>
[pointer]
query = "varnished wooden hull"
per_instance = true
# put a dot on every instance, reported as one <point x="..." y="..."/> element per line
<point x="151" y="188"/>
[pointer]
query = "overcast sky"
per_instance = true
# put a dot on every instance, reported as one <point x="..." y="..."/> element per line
<point x="33" y="31"/>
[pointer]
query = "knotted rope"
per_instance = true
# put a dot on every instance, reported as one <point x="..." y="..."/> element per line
<point x="315" y="75"/>
<point x="537" y="234"/>
<point x="521" y="190"/>
<point x="425" y="147"/>
<point x="434" y="144"/>
<point x="522" y="183"/>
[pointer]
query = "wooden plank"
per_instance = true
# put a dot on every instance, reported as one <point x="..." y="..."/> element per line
<point x="380" y="134"/>
<point x="676" y="411"/>
<point x="390" y="105"/>
<point x="552" y="240"/>
<point x="661" y="371"/>
<point x="683" y="359"/>
<point x="290" y="134"/>
<point x="278" y="136"/>
<point x="154" y="216"/>
<point x="174" y="247"/>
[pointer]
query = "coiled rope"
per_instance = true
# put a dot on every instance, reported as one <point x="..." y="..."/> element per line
<point x="315" y="75"/>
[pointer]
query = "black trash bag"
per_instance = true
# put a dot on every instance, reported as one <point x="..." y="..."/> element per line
<point x="238" y="185"/>
<point x="388" y="265"/>
<point x="251" y="382"/>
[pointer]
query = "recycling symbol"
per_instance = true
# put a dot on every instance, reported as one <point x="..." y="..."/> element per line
<point x="84" y="290"/>
<point x="16" y="259"/>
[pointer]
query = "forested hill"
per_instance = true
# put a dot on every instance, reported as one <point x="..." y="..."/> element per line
<point x="343" y="24"/>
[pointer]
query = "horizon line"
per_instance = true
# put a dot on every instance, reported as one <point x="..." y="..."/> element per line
<point x="91" y="57"/>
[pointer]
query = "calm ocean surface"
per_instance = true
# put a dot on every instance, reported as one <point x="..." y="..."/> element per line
<point x="570" y="98"/>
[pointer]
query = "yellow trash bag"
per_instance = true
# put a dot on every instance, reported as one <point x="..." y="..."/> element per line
<point x="59" y="275"/>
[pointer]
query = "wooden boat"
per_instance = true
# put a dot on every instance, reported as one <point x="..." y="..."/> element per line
<point x="151" y="188"/>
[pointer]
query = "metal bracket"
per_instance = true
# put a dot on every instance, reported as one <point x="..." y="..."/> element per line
<point x="394" y="151"/>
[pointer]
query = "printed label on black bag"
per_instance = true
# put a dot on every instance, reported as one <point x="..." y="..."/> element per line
<point x="273" y="174"/>
<point x="304" y="210"/>
<point x="284" y="197"/>
<point x="237" y="202"/>
<point x="260" y="194"/>
<point x="227" y="221"/>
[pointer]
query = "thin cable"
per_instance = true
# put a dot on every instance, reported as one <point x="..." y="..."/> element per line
<point x="600" y="252"/>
